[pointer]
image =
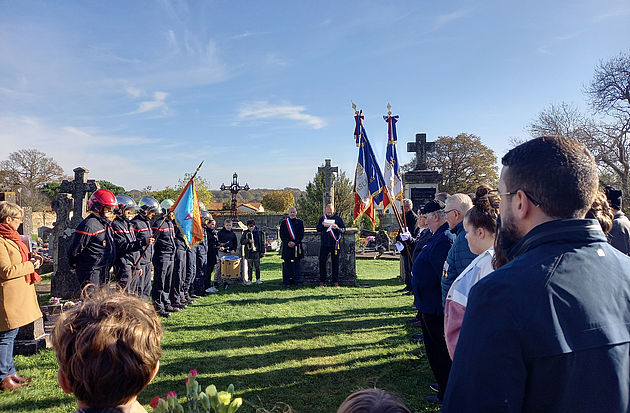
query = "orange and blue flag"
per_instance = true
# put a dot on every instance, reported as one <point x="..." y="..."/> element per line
<point x="188" y="214"/>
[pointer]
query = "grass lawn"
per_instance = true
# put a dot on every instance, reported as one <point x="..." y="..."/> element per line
<point x="307" y="347"/>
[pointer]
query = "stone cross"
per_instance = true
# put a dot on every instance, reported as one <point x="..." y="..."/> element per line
<point x="64" y="284"/>
<point x="329" y="186"/>
<point x="80" y="187"/>
<point x="421" y="147"/>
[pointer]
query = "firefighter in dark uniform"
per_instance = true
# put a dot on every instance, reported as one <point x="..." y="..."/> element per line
<point x="201" y="255"/>
<point x="163" y="263"/>
<point x="92" y="249"/>
<point x="148" y="207"/>
<point x="128" y="246"/>
<point x="213" y="250"/>
<point x="177" y="293"/>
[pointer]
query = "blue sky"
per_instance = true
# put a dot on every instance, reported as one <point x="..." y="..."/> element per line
<point x="140" y="92"/>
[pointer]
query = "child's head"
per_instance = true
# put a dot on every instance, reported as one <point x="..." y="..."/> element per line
<point x="227" y="224"/>
<point x="108" y="348"/>
<point x="251" y="224"/>
<point x="372" y="401"/>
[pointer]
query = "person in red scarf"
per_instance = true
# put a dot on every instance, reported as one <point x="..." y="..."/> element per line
<point x="18" y="301"/>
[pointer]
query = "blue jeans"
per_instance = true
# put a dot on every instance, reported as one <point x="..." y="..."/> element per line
<point x="7" y="338"/>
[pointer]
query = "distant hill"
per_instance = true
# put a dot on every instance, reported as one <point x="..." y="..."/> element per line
<point x="253" y="195"/>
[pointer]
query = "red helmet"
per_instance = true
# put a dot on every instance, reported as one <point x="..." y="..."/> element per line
<point x="101" y="198"/>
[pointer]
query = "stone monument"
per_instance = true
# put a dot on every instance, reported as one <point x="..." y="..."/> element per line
<point x="421" y="184"/>
<point x="329" y="185"/>
<point x="70" y="206"/>
<point x="312" y="241"/>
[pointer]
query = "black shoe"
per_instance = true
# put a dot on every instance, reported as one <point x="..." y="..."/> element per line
<point x="164" y="314"/>
<point x="433" y="398"/>
<point x="172" y="309"/>
<point x="189" y="301"/>
<point x="435" y="387"/>
<point x="181" y="306"/>
<point x="194" y="296"/>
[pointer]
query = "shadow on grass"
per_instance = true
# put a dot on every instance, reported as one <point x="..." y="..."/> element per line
<point x="27" y="404"/>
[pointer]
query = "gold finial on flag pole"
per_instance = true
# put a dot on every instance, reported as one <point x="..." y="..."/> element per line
<point x="389" y="109"/>
<point x="356" y="111"/>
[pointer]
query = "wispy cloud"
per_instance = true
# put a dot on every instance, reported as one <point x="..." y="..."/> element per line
<point x="444" y="19"/>
<point x="157" y="103"/>
<point x="265" y="110"/>
<point x="134" y="91"/>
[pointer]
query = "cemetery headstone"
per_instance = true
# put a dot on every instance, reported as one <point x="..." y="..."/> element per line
<point x="70" y="207"/>
<point x="421" y="184"/>
<point x="329" y="186"/>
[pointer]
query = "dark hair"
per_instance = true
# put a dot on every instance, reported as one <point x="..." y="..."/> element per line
<point x="250" y="222"/>
<point x="600" y="210"/>
<point x="108" y="346"/>
<point x="499" y="258"/>
<point x="485" y="210"/>
<point x="558" y="172"/>
<point x="372" y="401"/>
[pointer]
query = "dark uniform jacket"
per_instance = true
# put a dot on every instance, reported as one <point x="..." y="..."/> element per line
<point x="164" y="236"/>
<point x="213" y="246"/>
<point x="142" y="228"/>
<point x="259" y="242"/>
<point x="92" y="245"/>
<point x="228" y="239"/>
<point x="550" y="330"/>
<point x="619" y="235"/>
<point x="326" y="239"/>
<point x="428" y="267"/>
<point x="289" y="253"/>
<point x="128" y="246"/>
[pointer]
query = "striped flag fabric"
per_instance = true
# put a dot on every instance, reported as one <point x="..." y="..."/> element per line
<point x="188" y="214"/>
<point x="393" y="178"/>
<point x="369" y="184"/>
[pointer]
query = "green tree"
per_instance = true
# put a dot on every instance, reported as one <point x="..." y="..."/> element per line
<point x="117" y="190"/>
<point x="310" y="207"/>
<point x="278" y="201"/>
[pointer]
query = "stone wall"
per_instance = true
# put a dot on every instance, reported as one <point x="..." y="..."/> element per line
<point x="262" y="220"/>
<point x="347" y="260"/>
<point x="43" y="219"/>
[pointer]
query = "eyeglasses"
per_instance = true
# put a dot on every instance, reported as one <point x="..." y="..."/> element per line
<point x="531" y="198"/>
<point x="450" y="210"/>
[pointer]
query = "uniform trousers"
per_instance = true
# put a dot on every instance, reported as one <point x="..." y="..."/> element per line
<point x="144" y="281"/>
<point x="291" y="272"/>
<point x="163" y="264"/>
<point x="178" y="281"/>
<point x="435" y="346"/>
<point x="324" y="251"/>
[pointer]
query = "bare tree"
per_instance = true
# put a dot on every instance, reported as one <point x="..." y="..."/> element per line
<point x="27" y="170"/>
<point x="606" y="134"/>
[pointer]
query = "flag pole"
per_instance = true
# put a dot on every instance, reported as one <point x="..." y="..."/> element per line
<point x="135" y="265"/>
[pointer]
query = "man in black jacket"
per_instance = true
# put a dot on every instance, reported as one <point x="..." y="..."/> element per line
<point x="549" y="331"/>
<point x="291" y="234"/>
<point x="213" y="251"/>
<point x="128" y="246"/>
<point x="331" y="227"/>
<point x="148" y="207"/>
<point x="92" y="251"/>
